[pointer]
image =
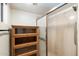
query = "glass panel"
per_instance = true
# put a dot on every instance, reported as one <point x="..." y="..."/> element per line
<point x="25" y="50"/>
<point x="24" y="30"/>
<point x="61" y="31"/>
<point x="42" y="26"/>
<point x="25" y="40"/>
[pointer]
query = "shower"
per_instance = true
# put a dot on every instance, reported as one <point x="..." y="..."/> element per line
<point x="61" y="30"/>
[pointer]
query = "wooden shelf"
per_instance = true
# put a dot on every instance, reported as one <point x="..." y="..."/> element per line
<point x="24" y="41"/>
<point x="27" y="54"/>
<point x="25" y="45"/>
<point x="19" y="26"/>
<point x="25" y="35"/>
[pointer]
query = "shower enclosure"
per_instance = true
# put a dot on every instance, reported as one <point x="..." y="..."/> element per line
<point x="59" y="29"/>
<point x="42" y="26"/>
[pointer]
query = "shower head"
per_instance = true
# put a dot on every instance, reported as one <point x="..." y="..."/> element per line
<point x="74" y="8"/>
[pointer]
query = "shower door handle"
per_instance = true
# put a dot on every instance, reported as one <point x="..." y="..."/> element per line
<point x="75" y="39"/>
<point x="75" y="34"/>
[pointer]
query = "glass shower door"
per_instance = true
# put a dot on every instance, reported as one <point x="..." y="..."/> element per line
<point x="61" y="33"/>
<point x="42" y="27"/>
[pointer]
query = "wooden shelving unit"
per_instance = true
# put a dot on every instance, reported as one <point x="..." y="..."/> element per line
<point x="24" y="41"/>
<point x="27" y="53"/>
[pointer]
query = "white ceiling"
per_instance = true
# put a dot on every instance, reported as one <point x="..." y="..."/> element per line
<point x="40" y="8"/>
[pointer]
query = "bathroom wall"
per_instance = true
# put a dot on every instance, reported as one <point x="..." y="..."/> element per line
<point x="4" y="36"/>
<point x="21" y="17"/>
<point x="13" y="17"/>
